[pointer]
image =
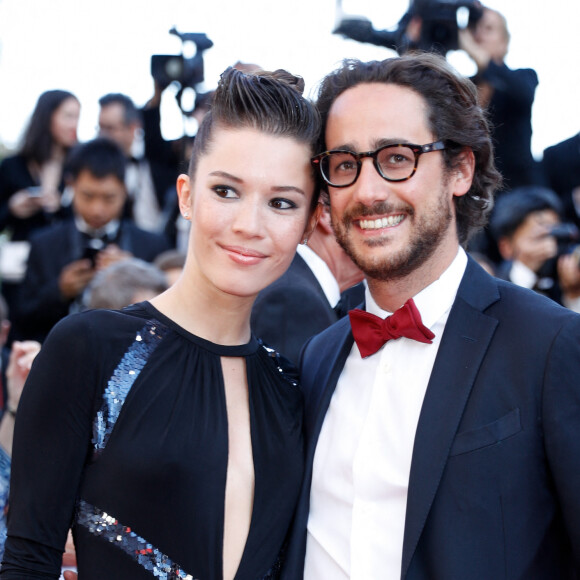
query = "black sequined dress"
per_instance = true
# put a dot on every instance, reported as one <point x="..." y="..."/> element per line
<point x="122" y="428"/>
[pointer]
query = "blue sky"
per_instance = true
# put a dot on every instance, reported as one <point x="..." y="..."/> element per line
<point x="92" y="48"/>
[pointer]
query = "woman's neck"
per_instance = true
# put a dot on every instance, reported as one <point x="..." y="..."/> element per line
<point x="218" y="317"/>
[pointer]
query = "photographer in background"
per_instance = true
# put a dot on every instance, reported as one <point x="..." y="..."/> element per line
<point x="445" y="25"/>
<point x="508" y="96"/>
<point x="64" y="258"/>
<point x="149" y="175"/>
<point x="538" y="250"/>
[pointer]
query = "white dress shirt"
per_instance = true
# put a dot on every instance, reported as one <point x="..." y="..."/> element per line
<point x="141" y="190"/>
<point x="322" y="272"/>
<point x="363" y="457"/>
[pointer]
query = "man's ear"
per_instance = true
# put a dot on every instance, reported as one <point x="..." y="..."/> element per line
<point x="505" y="248"/>
<point x="462" y="173"/>
<point x="324" y="220"/>
<point x="312" y="221"/>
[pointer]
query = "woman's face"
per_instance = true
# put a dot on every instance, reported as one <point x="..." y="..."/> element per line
<point x="249" y="204"/>
<point x="64" y="123"/>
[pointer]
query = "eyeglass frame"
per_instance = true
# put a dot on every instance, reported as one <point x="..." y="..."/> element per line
<point x="417" y="150"/>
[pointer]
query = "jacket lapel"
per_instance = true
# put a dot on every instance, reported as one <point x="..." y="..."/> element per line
<point x="467" y="334"/>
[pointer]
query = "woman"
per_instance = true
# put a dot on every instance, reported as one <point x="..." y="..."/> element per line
<point x="31" y="180"/>
<point x="166" y="432"/>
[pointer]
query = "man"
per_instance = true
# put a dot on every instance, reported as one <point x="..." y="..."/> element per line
<point x="561" y="163"/>
<point x="536" y="246"/>
<point x="64" y="258"/>
<point x="307" y="298"/>
<point x="455" y="455"/>
<point x="148" y="177"/>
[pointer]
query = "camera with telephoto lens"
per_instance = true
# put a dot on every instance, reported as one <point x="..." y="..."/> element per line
<point x="567" y="238"/>
<point x="187" y="71"/>
<point x="440" y="22"/>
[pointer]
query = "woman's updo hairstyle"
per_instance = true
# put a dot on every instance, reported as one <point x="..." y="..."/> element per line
<point x="271" y="102"/>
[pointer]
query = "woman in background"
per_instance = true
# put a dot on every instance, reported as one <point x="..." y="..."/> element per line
<point x="31" y="181"/>
<point x="166" y="433"/>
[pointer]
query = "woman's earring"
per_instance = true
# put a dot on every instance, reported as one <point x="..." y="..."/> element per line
<point x="186" y="215"/>
<point x="305" y="241"/>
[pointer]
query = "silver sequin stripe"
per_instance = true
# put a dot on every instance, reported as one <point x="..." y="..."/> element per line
<point x="106" y="526"/>
<point x="119" y="385"/>
<point x="100" y="523"/>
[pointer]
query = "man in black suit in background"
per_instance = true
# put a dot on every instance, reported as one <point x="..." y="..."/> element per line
<point x="151" y="170"/>
<point x="561" y="163"/>
<point x="443" y="443"/>
<point x="311" y="295"/>
<point x="64" y="258"/>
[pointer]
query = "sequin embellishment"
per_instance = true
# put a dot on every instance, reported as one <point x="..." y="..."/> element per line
<point x="119" y="385"/>
<point x="106" y="526"/>
<point x="283" y="366"/>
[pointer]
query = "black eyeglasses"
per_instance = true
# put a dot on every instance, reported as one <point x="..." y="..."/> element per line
<point x="397" y="162"/>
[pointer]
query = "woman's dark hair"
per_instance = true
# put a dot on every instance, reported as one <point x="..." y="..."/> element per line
<point x="454" y="115"/>
<point x="37" y="141"/>
<point x="271" y="102"/>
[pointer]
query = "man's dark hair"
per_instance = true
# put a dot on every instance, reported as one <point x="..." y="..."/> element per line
<point x="271" y="102"/>
<point x="131" y="113"/>
<point x="102" y="157"/>
<point x="37" y="142"/>
<point x="512" y="209"/>
<point x="454" y="115"/>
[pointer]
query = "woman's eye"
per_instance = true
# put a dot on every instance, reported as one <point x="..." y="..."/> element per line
<point x="280" y="203"/>
<point x="225" y="191"/>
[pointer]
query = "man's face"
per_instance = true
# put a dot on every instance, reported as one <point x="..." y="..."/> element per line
<point x="491" y="34"/>
<point x="531" y="243"/>
<point x="112" y="125"/>
<point x="392" y="229"/>
<point x="98" y="200"/>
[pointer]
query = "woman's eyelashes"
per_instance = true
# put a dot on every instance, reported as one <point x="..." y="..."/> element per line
<point x="229" y="192"/>
<point x="225" y="191"/>
<point x="283" y="203"/>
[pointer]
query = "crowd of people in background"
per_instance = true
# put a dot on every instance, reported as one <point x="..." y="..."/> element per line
<point x="98" y="224"/>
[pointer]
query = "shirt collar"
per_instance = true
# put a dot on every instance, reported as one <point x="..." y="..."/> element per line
<point x="322" y="272"/>
<point x="434" y="300"/>
<point x="109" y="230"/>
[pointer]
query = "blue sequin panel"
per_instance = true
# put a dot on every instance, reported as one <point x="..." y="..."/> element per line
<point x="119" y="385"/>
<point x="106" y="526"/>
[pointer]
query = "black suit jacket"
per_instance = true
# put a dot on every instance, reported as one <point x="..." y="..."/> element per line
<point x="561" y="164"/>
<point x="291" y="310"/>
<point x="40" y="303"/>
<point x="495" y="474"/>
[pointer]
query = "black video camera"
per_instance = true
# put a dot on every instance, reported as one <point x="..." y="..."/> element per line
<point x="187" y="71"/>
<point x="439" y="20"/>
<point x="568" y="239"/>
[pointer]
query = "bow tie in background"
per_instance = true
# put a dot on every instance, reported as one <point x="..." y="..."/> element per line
<point x="371" y="332"/>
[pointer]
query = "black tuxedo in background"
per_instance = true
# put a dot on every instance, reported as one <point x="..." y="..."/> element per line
<point x="494" y="487"/>
<point x="561" y="165"/>
<point x="40" y="304"/>
<point x="291" y="310"/>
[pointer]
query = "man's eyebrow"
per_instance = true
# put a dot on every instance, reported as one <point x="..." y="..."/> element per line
<point x="376" y="144"/>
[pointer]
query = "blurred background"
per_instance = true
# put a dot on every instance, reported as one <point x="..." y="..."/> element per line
<point x="92" y="48"/>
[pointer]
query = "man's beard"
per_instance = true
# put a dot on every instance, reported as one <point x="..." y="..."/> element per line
<point x="428" y="230"/>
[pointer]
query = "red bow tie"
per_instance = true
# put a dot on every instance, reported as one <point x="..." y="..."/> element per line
<point x="371" y="332"/>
